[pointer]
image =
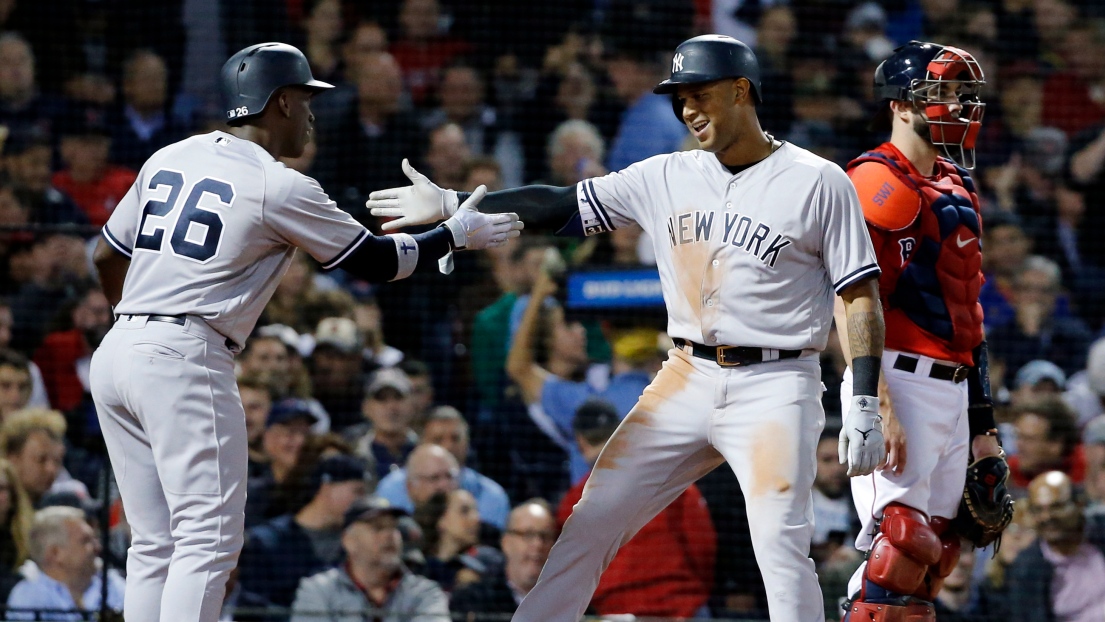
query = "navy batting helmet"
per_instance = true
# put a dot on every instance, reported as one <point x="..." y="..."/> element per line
<point x="943" y="82"/>
<point x="250" y="77"/>
<point x="711" y="57"/>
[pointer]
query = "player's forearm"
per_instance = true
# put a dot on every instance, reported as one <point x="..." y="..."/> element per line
<point x="546" y="209"/>
<point x="866" y="334"/>
<point x="980" y="403"/>
<point x="386" y="258"/>
<point x="112" y="268"/>
<point x="520" y="360"/>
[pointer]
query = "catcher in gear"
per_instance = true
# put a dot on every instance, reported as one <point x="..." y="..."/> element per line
<point x="922" y="213"/>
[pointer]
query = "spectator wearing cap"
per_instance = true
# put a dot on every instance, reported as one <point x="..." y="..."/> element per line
<point x="667" y="568"/>
<point x="28" y="155"/>
<point x="529" y="535"/>
<point x="647" y="127"/>
<point x="280" y="552"/>
<point x="66" y="551"/>
<point x="446" y="428"/>
<point x="1048" y="439"/>
<point x="1037" y="379"/>
<point x="287" y="432"/>
<point x="33" y="441"/>
<point x="373" y="583"/>
<point x="337" y="376"/>
<point x="89" y="178"/>
<point x="1036" y="330"/>
<point x="386" y="437"/>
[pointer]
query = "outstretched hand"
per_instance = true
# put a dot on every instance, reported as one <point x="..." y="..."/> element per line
<point x="421" y="203"/>
<point x="472" y="229"/>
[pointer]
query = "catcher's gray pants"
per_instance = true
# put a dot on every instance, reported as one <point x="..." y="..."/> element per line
<point x="176" y="435"/>
<point x="764" y="420"/>
<point x="933" y="414"/>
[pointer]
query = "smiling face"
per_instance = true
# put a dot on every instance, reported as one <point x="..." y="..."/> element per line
<point x="711" y="112"/>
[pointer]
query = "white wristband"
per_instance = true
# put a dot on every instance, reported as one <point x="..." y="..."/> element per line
<point x="407" y="251"/>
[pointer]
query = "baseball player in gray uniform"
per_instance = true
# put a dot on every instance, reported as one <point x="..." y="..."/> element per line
<point x="753" y="238"/>
<point x="189" y="258"/>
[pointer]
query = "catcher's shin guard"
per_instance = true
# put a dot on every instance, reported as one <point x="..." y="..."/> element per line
<point x="874" y="612"/>
<point x="903" y="550"/>
<point x="949" y="557"/>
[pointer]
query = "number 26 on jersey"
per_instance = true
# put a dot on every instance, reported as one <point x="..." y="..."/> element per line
<point x="198" y="228"/>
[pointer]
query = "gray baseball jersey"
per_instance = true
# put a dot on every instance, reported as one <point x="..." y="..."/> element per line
<point x="751" y="259"/>
<point x="210" y="226"/>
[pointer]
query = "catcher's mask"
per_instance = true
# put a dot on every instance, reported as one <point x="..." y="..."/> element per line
<point x="943" y="83"/>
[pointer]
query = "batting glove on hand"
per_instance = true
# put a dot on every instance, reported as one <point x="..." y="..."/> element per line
<point x="422" y="203"/>
<point x="861" y="445"/>
<point x="474" y="230"/>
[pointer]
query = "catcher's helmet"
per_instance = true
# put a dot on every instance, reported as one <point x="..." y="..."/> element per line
<point x="711" y="57"/>
<point x="934" y="77"/>
<point x="250" y="77"/>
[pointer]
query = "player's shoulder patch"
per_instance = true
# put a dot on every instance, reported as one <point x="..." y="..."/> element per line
<point x="888" y="201"/>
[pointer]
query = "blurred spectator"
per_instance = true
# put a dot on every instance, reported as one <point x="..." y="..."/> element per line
<point x="16" y="515"/>
<point x="993" y="588"/>
<point x="462" y="94"/>
<point x="369" y="320"/>
<point x="361" y="151"/>
<point x="1059" y="576"/>
<point x="423" y="47"/>
<point x="66" y="550"/>
<point x="1007" y="248"/>
<point x="1018" y="110"/>
<point x="958" y="599"/>
<point x="1047" y="439"/>
<point x="280" y="552"/>
<point x="287" y="431"/>
<point x="648" y="126"/>
<point x="256" y="402"/>
<point x="1017" y="36"/>
<point x="450" y="524"/>
<point x="294" y="294"/>
<point x="836" y="524"/>
<point x="27" y="159"/>
<point x="529" y="535"/>
<point x="337" y="381"/>
<point x="448" y="155"/>
<point x="774" y="45"/>
<point x="422" y="391"/>
<point x="431" y="469"/>
<point x="265" y="357"/>
<point x="145" y="121"/>
<point x="66" y="352"/>
<point x="94" y="184"/>
<point x="373" y="581"/>
<point x="15" y="382"/>
<point x="1036" y="331"/>
<point x="1037" y="379"/>
<point x="1093" y="444"/>
<point x="667" y="568"/>
<point x="22" y="105"/>
<point x="447" y="429"/>
<point x="1074" y="101"/>
<point x="1086" y="168"/>
<point x="575" y="153"/>
<point x="322" y="30"/>
<point x="52" y="268"/>
<point x="483" y="171"/>
<point x="386" y="437"/>
<point x="33" y="441"/>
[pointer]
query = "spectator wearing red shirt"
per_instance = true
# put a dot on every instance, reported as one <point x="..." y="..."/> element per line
<point x="667" y="569"/>
<point x="1074" y="99"/>
<point x="424" y="49"/>
<point x="94" y="184"/>
<point x="65" y="354"/>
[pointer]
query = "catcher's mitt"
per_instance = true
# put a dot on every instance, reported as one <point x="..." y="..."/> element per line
<point x="987" y="506"/>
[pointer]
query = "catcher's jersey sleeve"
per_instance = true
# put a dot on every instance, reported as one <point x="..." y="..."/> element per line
<point x="846" y="247"/>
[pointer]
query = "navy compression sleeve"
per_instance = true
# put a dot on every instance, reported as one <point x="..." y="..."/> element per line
<point x="548" y="209"/>
<point x="376" y="260"/>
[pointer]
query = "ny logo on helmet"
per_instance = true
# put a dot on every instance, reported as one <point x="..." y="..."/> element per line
<point x="677" y="63"/>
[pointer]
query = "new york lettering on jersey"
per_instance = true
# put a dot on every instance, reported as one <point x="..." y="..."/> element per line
<point x="697" y="226"/>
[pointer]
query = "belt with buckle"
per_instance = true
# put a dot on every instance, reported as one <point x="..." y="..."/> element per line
<point x="733" y="356"/>
<point x="170" y="319"/>
<point x="939" y="371"/>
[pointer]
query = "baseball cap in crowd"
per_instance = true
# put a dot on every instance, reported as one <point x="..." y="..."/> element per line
<point x="286" y="334"/>
<point x="388" y="378"/>
<point x="289" y="409"/>
<point x="1035" y="372"/>
<point x="1045" y="148"/>
<point x="369" y="508"/>
<point x="340" y="468"/>
<point x="1094" y="433"/>
<point x="1095" y="367"/>
<point x="340" y="333"/>
<point x="638" y="346"/>
<point x="81" y="121"/>
<point x="594" y="415"/>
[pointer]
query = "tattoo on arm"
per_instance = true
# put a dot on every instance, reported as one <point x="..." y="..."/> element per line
<point x="866" y="333"/>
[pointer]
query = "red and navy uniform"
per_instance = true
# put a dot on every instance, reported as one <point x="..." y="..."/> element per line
<point x="927" y="233"/>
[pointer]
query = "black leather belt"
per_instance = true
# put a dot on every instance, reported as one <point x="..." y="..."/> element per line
<point x="733" y="356"/>
<point x="170" y="319"/>
<point x="939" y="371"/>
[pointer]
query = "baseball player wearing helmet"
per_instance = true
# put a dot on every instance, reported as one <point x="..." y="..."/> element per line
<point x="189" y="258"/>
<point x="753" y="238"/>
<point x="923" y="217"/>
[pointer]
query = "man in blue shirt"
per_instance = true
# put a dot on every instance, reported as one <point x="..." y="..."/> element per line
<point x="647" y="127"/>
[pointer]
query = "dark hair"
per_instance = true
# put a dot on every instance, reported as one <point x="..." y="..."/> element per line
<point x="11" y="358"/>
<point x="1061" y="423"/>
<point x="595" y="420"/>
<point x="414" y="368"/>
<point x="428" y="515"/>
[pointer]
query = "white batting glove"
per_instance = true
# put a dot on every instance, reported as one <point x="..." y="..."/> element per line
<point x="475" y="230"/>
<point x="422" y="203"/>
<point x="861" y="444"/>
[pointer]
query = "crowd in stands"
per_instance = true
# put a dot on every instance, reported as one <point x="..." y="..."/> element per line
<point x="415" y="446"/>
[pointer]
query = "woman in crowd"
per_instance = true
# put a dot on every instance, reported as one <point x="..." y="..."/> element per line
<point x="450" y="524"/>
